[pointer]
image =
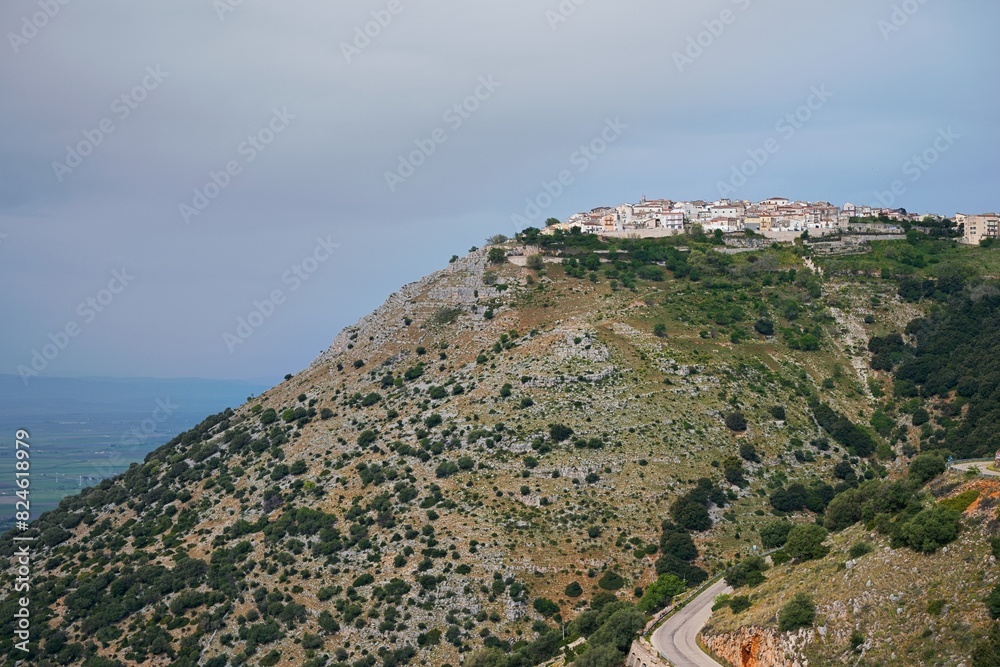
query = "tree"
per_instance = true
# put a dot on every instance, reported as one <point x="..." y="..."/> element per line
<point x="845" y="471"/>
<point x="659" y="594"/>
<point x="732" y="470"/>
<point x="545" y="607"/>
<point x="987" y="652"/>
<point x="551" y="221"/>
<point x="691" y="514"/>
<point x="690" y="574"/>
<point x="619" y="630"/>
<point x="844" y="510"/>
<point x="487" y="657"/>
<point x="611" y="581"/>
<point x="536" y="263"/>
<point x="774" y="534"/>
<point x="497" y="255"/>
<point x="660" y="330"/>
<point x="497" y="239"/>
<point x="748" y="572"/>
<point x="600" y="656"/>
<point x="735" y="421"/>
<point x="677" y="542"/>
<point x="559" y="432"/>
<point x="740" y="603"/>
<point x="764" y="327"/>
<point x="749" y="453"/>
<point x="800" y="612"/>
<point x="926" y="467"/>
<point x="931" y="529"/>
<point x="805" y="542"/>
<point x="791" y="498"/>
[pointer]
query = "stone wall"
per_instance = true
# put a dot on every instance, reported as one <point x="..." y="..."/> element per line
<point x="642" y="654"/>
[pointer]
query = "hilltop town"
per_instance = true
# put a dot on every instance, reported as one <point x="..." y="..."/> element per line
<point x="777" y="218"/>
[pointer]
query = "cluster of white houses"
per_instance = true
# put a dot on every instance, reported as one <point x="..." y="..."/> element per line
<point x="770" y="217"/>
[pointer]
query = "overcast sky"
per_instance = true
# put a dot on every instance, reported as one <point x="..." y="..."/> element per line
<point x="116" y="115"/>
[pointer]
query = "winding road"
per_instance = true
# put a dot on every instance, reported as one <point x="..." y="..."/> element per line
<point x="677" y="639"/>
<point x="981" y="465"/>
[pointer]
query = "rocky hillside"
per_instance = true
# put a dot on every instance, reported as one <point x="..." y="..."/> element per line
<point x="875" y="604"/>
<point x="500" y="459"/>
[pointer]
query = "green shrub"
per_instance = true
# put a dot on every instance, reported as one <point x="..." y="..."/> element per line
<point x="660" y="593"/>
<point x="805" y="542"/>
<point x="611" y="581"/>
<point x="961" y="502"/>
<point x="560" y="432"/>
<point x="764" y="327"/>
<point x="748" y="572"/>
<point x="935" y="607"/>
<point x="800" y="612"/>
<point x="931" y="529"/>
<point x="573" y="590"/>
<point x="780" y="558"/>
<point x="926" y="467"/>
<point x="986" y="652"/>
<point x="736" y="422"/>
<point x="545" y="607"/>
<point x="739" y="603"/>
<point x="860" y="549"/>
<point x="371" y="399"/>
<point x="443" y="316"/>
<point x="993" y="602"/>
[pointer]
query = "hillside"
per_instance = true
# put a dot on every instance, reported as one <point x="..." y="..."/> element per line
<point x="498" y="448"/>
<point x="875" y="604"/>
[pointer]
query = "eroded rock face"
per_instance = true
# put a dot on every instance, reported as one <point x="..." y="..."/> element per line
<point x="758" y="647"/>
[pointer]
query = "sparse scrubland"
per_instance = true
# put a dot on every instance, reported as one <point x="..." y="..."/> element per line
<point x="511" y="454"/>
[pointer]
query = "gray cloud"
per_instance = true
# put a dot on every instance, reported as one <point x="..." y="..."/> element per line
<point x="325" y="173"/>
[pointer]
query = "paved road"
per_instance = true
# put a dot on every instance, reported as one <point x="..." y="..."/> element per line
<point x="677" y="639"/>
<point x="981" y="465"/>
